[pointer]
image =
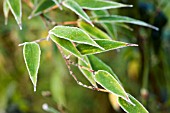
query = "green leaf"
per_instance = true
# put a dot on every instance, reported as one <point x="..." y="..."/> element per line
<point x="89" y="75"/>
<point x="98" y="64"/>
<point x="109" y="27"/>
<point x="123" y="19"/>
<point x="42" y="5"/>
<point x="100" y="4"/>
<point x="66" y="44"/>
<point x="6" y="11"/>
<point x="31" y="52"/>
<point x="73" y="34"/>
<point x="16" y="9"/>
<point x="93" y="31"/>
<point x="72" y="5"/>
<point x="106" y="44"/>
<point x="129" y="108"/>
<point x="107" y="81"/>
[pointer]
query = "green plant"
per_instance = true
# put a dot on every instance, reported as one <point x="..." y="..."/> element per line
<point x="82" y="42"/>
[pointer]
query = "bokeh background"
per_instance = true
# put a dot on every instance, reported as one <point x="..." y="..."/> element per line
<point x="144" y="70"/>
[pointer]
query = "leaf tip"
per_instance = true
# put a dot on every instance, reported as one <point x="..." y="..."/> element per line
<point x="29" y="17"/>
<point x="6" y="21"/>
<point x="131" y="44"/>
<point x="20" y="26"/>
<point x="35" y="88"/>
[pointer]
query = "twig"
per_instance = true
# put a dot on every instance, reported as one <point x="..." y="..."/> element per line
<point x="72" y="74"/>
<point x="39" y="40"/>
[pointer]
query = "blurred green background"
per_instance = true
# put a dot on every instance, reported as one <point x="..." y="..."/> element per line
<point x="146" y="66"/>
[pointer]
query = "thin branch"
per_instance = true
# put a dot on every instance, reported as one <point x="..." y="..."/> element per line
<point x="72" y="74"/>
<point x="37" y="41"/>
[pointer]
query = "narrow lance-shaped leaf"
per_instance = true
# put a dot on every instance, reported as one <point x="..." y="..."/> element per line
<point x="16" y="9"/>
<point x="72" y="5"/>
<point x="109" y="27"/>
<point x="93" y="31"/>
<point x="67" y="45"/>
<point x="98" y="64"/>
<point x="107" y="81"/>
<point x="6" y="11"/>
<point x="85" y="68"/>
<point x="106" y="44"/>
<point x="42" y="5"/>
<point x="129" y="108"/>
<point x="100" y="4"/>
<point x="123" y="19"/>
<point x="73" y="34"/>
<point x="31" y="52"/>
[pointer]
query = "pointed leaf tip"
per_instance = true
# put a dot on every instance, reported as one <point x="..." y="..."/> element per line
<point x="16" y="9"/>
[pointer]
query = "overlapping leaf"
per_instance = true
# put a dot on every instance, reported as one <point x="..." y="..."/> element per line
<point x="98" y="64"/>
<point x="100" y="4"/>
<point x="123" y="19"/>
<point x="66" y="44"/>
<point x="16" y="9"/>
<point x="73" y="34"/>
<point x="109" y="27"/>
<point x="129" y="108"/>
<point x="107" y="81"/>
<point x="85" y="68"/>
<point x="106" y="44"/>
<point x="42" y="5"/>
<point x="6" y="11"/>
<point x="93" y="31"/>
<point x="72" y="5"/>
<point x="31" y="52"/>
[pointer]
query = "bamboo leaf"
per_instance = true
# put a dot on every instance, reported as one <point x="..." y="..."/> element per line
<point x="31" y="52"/>
<point x="16" y="9"/>
<point x="6" y="11"/>
<point x="138" y="108"/>
<point x="73" y="34"/>
<point x="72" y="5"/>
<point x="93" y="31"/>
<point x="123" y="19"/>
<point x="106" y="44"/>
<point x="66" y="44"/>
<point x="42" y="6"/>
<point x="107" y="81"/>
<point x="109" y="27"/>
<point x="98" y="64"/>
<point x="89" y="75"/>
<point x="100" y="4"/>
